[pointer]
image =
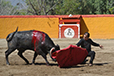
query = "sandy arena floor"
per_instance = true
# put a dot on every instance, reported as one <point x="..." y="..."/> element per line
<point x="103" y="63"/>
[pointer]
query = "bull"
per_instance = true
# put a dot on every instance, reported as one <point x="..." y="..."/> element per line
<point x="37" y="41"/>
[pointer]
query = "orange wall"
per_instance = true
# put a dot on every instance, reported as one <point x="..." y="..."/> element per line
<point x="48" y="25"/>
<point x="99" y="26"/>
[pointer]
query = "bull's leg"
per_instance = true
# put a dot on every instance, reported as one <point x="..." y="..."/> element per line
<point x="44" y="56"/>
<point x="9" y="51"/>
<point x="35" y="55"/>
<point x="20" y="54"/>
<point x="39" y="51"/>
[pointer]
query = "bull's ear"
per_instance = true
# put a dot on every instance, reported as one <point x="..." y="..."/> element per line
<point x="57" y="47"/>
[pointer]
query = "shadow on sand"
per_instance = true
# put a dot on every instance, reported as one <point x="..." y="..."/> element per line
<point x="84" y="65"/>
<point x="76" y="66"/>
<point x="51" y="64"/>
<point x="100" y="64"/>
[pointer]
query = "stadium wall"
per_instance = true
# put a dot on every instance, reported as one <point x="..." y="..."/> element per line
<point x="48" y="24"/>
<point x="99" y="26"/>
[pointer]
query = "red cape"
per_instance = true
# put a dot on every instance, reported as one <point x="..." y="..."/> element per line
<point x="70" y="56"/>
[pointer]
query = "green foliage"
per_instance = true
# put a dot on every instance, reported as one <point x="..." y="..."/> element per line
<point x="5" y="7"/>
<point x="112" y="10"/>
<point x="58" y="7"/>
<point x="67" y="7"/>
<point x="96" y="6"/>
<point x="85" y="7"/>
<point x="41" y="7"/>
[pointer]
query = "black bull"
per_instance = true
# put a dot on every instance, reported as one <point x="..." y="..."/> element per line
<point x="34" y="40"/>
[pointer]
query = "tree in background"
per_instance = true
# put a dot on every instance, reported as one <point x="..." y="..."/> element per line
<point x="57" y="7"/>
<point x="111" y="6"/>
<point x="96" y="6"/>
<point x="85" y="7"/>
<point x="41" y="7"/>
<point x="66" y="7"/>
<point x="6" y="8"/>
<point x="112" y="10"/>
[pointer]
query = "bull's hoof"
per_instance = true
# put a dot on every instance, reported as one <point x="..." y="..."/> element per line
<point x="32" y="63"/>
<point x="27" y="63"/>
<point x="8" y="63"/>
<point x="47" y="64"/>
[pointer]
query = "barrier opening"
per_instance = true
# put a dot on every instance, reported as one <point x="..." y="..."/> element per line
<point x="69" y="27"/>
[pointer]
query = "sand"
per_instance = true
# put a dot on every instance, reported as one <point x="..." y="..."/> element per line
<point x="103" y="63"/>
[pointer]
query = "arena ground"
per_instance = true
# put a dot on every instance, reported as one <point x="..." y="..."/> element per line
<point x="103" y="63"/>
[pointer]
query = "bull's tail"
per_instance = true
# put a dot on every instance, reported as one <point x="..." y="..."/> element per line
<point x="10" y="36"/>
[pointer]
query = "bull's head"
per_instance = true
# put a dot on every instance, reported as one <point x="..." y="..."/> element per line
<point x="57" y="47"/>
<point x="53" y="49"/>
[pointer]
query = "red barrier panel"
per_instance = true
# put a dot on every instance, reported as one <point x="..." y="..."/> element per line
<point x="69" y="31"/>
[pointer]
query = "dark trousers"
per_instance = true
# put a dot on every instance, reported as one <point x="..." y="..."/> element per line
<point x="91" y="54"/>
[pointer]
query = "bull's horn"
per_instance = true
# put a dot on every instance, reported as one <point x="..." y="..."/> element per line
<point x="53" y="48"/>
